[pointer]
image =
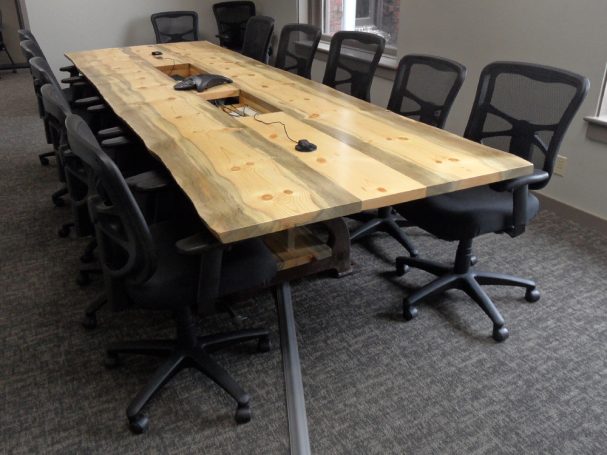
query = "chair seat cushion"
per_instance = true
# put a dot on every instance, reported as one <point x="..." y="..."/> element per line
<point x="465" y="214"/>
<point x="246" y="265"/>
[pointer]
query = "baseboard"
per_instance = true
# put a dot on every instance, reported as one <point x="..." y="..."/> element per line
<point x="566" y="211"/>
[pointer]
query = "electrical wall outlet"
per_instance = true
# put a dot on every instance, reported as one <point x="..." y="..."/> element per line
<point x="560" y="166"/>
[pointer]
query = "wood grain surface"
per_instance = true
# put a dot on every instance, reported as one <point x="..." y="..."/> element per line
<point x="244" y="177"/>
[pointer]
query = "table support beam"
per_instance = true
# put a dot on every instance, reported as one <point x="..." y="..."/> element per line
<point x="296" y="406"/>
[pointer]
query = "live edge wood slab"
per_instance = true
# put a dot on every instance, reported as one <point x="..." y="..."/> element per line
<point x="244" y="177"/>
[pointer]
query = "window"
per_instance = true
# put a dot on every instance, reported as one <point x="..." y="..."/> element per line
<point x="373" y="16"/>
<point x="602" y="109"/>
<point x="597" y="124"/>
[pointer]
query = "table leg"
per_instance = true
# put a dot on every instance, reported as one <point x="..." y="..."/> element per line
<point x="296" y="406"/>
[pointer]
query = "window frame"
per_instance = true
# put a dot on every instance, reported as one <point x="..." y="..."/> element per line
<point x="597" y="124"/>
<point x="316" y="16"/>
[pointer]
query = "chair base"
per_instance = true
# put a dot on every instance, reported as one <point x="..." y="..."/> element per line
<point x="387" y="220"/>
<point x="187" y="351"/>
<point x="462" y="276"/>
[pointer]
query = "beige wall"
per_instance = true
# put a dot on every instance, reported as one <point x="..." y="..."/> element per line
<point x="70" y="25"/>
<point x="562" y="33"/>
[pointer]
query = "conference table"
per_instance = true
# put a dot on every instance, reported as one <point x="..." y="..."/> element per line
<point x="231" y="150"/>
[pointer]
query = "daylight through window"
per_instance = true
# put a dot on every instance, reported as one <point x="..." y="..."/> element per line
<point x="374" y="16"/>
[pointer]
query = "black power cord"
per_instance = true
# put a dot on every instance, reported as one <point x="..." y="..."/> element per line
<point x="303" y="145"/>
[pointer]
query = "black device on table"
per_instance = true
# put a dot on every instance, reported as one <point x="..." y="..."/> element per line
<point x="202" y="82"/>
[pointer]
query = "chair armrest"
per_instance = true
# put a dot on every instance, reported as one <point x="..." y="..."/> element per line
<point x="69" y="69"/>
<point x="520" y="194"/>
<point x="148" y="181"/>
<point x="85" y="102"/>
<point x="512" y="184"/>
<point x="119" y="141"/>
<point x="198" y="244"/>
<point x="80" y="84"/>
<point x="95" y="109"/>
<point x="73" y="80"/>
<point x="108" y="133"/>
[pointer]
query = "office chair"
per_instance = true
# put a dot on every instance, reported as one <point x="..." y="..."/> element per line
<point x="42" y="74"/>
<point x="257" y="36"/>
<point x="146" y="186"/>
<point x="175" y="26"/>
<point x="424" y="89"/>
<point x="77" y="90"/>
<point x="3" y="47"/>
<point x="297" y="47"/>
<point x="25" y="35"/>
<point x="156" y="277"/>
<point x="521" y="108"/>
<point x="56" y="110"/>
<point x="351" y="70"/>
<point x="232" y="18"/>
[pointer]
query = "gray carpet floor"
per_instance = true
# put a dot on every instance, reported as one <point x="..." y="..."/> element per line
<point x="374" y="384"/>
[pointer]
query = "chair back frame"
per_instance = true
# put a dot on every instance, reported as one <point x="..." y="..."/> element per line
<point x="125" y="243"/>
<point x="257" y="36"/>
<point x="524" y="134"/>
<point x="360" y="81"/>
<point x="174" y="37"/>
<point x="430" y="113"/>
<point x="303" y="64"/>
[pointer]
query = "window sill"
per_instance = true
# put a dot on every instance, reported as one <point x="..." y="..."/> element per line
<point x="387" y="63"/>
<point x="597" y="128"/>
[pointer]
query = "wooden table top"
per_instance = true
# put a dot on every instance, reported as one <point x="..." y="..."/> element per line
<point x="244" y="177"/>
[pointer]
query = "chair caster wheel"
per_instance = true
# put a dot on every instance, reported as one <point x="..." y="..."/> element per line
<point x="83" y="279"/>
<point x="401" y="268"/>
<point x="43" y="161"/>
<point x="89" y="321"/>
<point x="473" y="260"/>
<point x="500" y="333"/>
<point x="139" y="424"/>
<point x="58" y="202"/>
<point x="63" y="231"/>
<point x="264" y="345"/>
<point x="243" y="413"/>
<point x="112" y="361"/>
<point x="532" y="295"/>
<point x="409" y="311"/>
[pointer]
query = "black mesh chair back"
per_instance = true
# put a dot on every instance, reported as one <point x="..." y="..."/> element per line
<point x="175" y="26"/>
<point x="353" y="59"/>
<point x="257" y="36"/>
<point x="125" y="243"/>
<point x="25" y="34"/>
<point x="56" y="109"/>
<point x="42" y="72"/>
<point x="525" y="109"/>
<point x="297" y="47"/>
<point x="31" y="49"/>
<point x="56" y="112"/>
<point x="232" y="18"/>
<point x="425" y="87"/>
